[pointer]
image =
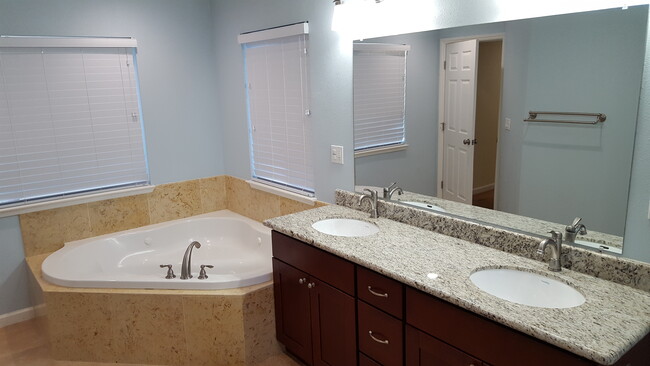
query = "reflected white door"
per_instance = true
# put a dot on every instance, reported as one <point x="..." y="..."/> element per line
<point x="460" y="112"/>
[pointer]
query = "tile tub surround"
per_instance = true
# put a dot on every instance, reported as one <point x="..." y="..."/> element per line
<point x="612" y="320"/>
<point x="46" y="231"/>
<point x="142" y="326"/>
<point x="163" y="327"/>
<point x="608" y="267"/>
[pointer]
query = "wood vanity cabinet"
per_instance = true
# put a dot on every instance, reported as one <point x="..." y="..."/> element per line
<point x="318" y="312"/>
<point x="314" y="303"/>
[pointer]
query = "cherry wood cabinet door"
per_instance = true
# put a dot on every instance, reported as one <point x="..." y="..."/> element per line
<point x="333" y="324"/>
<point x="425" y="350"/>
<point x="292" y="310"/>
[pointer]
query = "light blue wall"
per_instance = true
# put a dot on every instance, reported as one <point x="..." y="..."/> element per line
<point x="14" y="289"/>
<point x="330" y="81"/>
<point x="177" y="78"/>
<point x="637" y="229"/>
<point x="580" y="62"/>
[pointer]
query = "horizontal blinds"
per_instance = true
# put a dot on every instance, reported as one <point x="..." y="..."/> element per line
<point x="69" y="122"/>
<point x="379" y="95"/>
<point x="276" y="72"/>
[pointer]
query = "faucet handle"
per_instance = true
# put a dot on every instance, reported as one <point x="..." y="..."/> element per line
<point x="170" y="271"/>
<point x="372" y="193"/>
<point x="576" y="221"/>
<point x="555" y="235"/>
<point x="202" y="274"/>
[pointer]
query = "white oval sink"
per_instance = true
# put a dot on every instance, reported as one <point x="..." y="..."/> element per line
<point x="425" y="205"/>
<point x="527" y="288"/>
<point x="345" y="227"/>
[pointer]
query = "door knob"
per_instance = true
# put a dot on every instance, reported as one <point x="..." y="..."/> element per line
<point x="467" y="141"/>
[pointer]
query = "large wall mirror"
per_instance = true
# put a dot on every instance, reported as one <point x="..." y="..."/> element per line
<point x="535" y="174"/>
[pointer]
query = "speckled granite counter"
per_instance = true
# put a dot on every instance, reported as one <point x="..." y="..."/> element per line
<point x="613" y="318"/>
<point x="504" y="219"/>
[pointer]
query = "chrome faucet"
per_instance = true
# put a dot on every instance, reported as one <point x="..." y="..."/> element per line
<point x="555" y="242"/>
<point x="392" y="188"/>
<point x="186" y="268"/>
<point x="574" y="229"/>
<point x="372" y="196"/>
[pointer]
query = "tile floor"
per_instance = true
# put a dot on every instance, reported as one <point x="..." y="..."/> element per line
<point x="25" y="344"/>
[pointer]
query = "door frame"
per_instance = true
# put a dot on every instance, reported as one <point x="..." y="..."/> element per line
<point x="441" y="104"/>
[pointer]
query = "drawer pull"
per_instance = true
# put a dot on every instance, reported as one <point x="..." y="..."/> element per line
<point x="302" y="281"/>
<point x="311" y="285"/>
<point x="382" y="341"/>
<point x="379" y="294"/>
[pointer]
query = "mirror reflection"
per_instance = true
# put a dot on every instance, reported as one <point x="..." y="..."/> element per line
<point x="465" y="147"/>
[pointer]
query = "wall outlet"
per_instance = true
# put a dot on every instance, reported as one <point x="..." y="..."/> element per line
<point x="336" y="154"/>
<point x="508" y="124"/>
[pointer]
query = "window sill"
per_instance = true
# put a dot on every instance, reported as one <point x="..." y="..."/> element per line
<point x="76" y="200"/>
<point x="380" y="150"/>
<point x="281" y="192"/>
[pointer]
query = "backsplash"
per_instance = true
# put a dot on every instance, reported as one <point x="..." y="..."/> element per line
<point x="616" y="269"/>
<point x="46" y="231"/>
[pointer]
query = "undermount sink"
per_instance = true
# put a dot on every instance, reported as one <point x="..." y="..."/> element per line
<point x="527" y="288"/>
<point x="425" y="205"/>
<point x="345" y="227"/>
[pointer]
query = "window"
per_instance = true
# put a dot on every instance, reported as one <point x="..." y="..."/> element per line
<point x="379" y="95"/>
<point x="278" y="110"/>
<point x="69" y="118"/>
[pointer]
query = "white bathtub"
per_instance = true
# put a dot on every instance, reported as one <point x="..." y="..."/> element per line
<point x="238" y="247"/>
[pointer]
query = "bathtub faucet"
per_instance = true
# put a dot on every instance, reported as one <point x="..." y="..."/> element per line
<point x="186" y="268"/>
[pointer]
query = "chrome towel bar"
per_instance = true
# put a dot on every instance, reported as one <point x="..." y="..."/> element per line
<point x="532" y="117"/>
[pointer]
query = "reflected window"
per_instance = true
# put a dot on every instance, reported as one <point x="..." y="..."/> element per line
<point x="379" y="96"/>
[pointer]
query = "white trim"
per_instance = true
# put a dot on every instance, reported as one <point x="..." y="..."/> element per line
<point x="273" y="33"/>
<point x="33" y="41"/>
<point x="74" y="200"/>
<point x="281" y="192"/>
<point x="380" y="150"/>
<point x="481" y="189"/>
<point x="380" y="47"/>
<point x="17" y="316"/>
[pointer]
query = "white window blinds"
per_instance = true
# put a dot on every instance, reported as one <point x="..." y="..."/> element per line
<point x="69" y="121"/>
<point x="278" y="110"/>
<point x="379" y="84"/>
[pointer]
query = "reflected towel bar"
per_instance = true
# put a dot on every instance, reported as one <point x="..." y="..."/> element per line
<point x="600" y="117"/>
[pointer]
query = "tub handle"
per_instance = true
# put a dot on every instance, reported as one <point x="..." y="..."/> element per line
<point x="202" y="274"/>
<point x="170" y="271"/>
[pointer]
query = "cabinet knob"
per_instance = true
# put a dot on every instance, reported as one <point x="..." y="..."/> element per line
<point x="302" y="281"/>
<point x="379" y="294"/>
<point x="311" y="285"/>
<point x="382" y="341"/>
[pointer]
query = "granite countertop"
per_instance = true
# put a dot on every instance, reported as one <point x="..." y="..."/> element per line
<point x="612" y="320"/>
<point x="505" y="219"/>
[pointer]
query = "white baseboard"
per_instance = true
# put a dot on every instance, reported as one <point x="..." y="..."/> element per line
<point x="485" y="188"/>
<point x="20" y="315"/>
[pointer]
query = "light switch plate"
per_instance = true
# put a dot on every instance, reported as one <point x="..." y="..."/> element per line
<point x="336" y="154"/>
<point x="508" y="122"/>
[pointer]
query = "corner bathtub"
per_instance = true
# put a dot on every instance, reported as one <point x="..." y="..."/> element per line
<point x="238" y="247"/>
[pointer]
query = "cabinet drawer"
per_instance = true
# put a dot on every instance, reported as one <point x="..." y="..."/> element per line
<point x="380" y="335"/>
<point x="367" y="361"/>
<point x="491" y="342"/>
<point x="325" y="266"/>
<point x="422" y="349"/>
<point x="380" y="291"/>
